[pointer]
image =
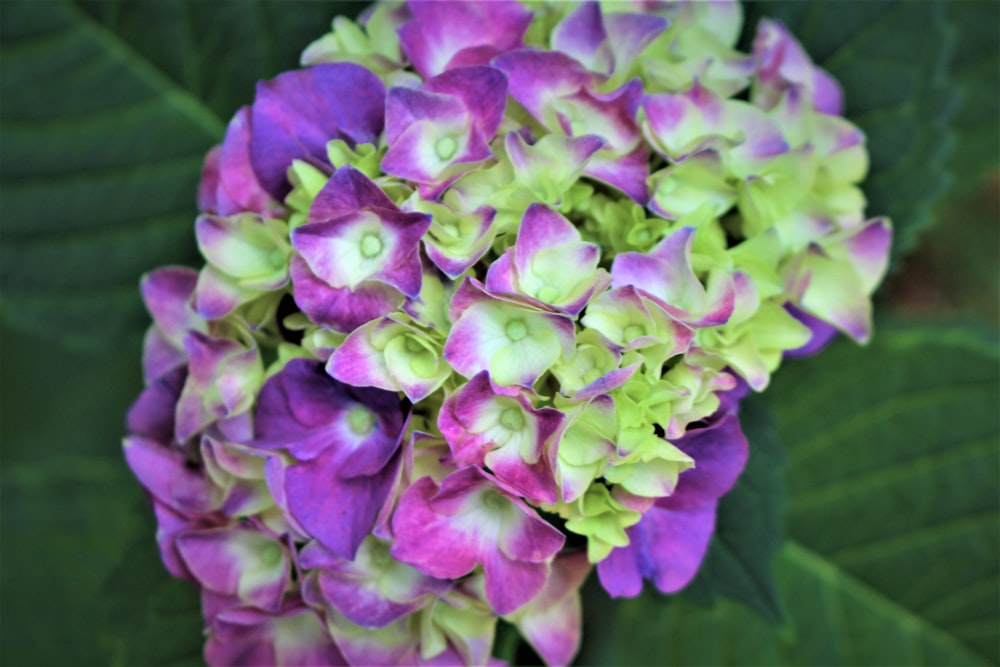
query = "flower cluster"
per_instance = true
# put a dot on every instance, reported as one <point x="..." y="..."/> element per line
<point x="484" y="285"/>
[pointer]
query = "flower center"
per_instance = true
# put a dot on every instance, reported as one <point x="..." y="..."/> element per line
<point x="271" y="554"/>
<point x="445" y="147"/>
<point x="277" y="259"/>
<point x="360" y="420"/>
<point x="492" y="500"/>
<point x="512" y="419"/>
<point x="371" y="245"/>
<point x="547" y="293"/>
<point x="516" y="330"/>
<point x="413" y="345"/>
<point x="634" y="331"/>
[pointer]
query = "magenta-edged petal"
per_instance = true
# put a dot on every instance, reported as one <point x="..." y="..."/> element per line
<point x="159" y="355"/>
<point x="209" y="182"/>
<point x="551" y="622"/>
<point x="164" y="472"/>
<point x="338" y="512"/>
<point x="407" y="106"/>
<point x="347" y="192"/>
<point x="168" y="524"/>
<point x="341" y="309"/>
<point x="500" y="277"/>
<point x="482" y="91"/>
<point x="666" y="547"/>
<point x="167" y="293"/>
<point x="240" y="562"/>
<point x="665" y="275"/>
<point x="438" y="32"/>
<point x="505" y="433"/>
<point x="295" y="114"/>
<point x="238" y="189"/>
<point x="720" y="452"/>
<point x="868" y="250"/>
<point x="629" y="34"/>
<point x="152" y="414"/>
<point x="429" y="540"/>
<point x="368" y="246"/>
<point x="627" y="172"/>
<point x="611" y="116"/>
<point x="515" y="343"/>
<point x="357" y="362"/>
<point x="446" y="531"/>
<point x="541" y="228"/>
<point x="223" y="379"/>
<point x="293" y="637"/>
<point x="373" y="590"/>
<point x="782" y="63"/>
<point x="217" y="294"/>
<point x="537" y="79"/>
<point x="581" y="36"/>
<point x="511" y="583"/>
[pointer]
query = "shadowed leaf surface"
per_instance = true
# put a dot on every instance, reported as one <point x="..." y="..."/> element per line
<point x="892" y="520"/>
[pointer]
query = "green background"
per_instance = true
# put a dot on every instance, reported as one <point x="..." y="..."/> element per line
<point x="888" y="454"/>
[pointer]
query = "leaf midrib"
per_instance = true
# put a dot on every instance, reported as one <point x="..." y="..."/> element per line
<point x="180" y="97"/>
<point x="844" y="582"/>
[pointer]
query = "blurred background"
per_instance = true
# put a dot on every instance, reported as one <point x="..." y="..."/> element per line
<point x="883" y="460"/>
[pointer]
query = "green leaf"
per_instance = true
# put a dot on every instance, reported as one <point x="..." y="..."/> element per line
<point x="892" y="59"/>
<point x="893" y="473"/>
<point x="72" y="510"/>
<point x="109" y="108"/>
<point x="892" y="480"/>
<point x="749" y="528"/>
<point x="976" y="71"/>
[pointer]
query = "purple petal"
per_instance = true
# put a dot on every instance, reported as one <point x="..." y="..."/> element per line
<point x="720" y="452"/>
<point x="440" y="31"/>
<point x="822" y="333"/>
<point x="167" y="292"/>
<point x="581" y="36"/>
<point x="303" y="409"/>
<point x="295" y="114"/>
<point x="510" y="584"/>
<point x="164" y="472"/>
<point x="427" y="539"/>
<point x="152" y="414"/>
<point x="238" y="562"/>
<point x="338" y="512"/>
<point x="538" y="78"/>
<point x="627" y="172"/>
<point x="552" y="621"/>
<point x="348" y="191"/>
<point x="666" y="547"/>
<point x="238" y="188"/>
<point x="341" y="309"/>
<point x="482" y="90"/>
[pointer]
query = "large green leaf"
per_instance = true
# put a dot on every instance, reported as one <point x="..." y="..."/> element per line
<point x="975" y="73"/>
<point x="750" y="527"/>
<point x="893" y="519"/>
<point x="892" y="59"/>
<point x="73" y="589"/>
<point x="108" y="110"/>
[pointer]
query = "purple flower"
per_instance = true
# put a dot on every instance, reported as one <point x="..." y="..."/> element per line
<point x="357" y="257"/>
<point x="445" y="35"/>
<point x="446" y="531"/>
<point x="343" y="442"/>
<point x="442" y="130"/>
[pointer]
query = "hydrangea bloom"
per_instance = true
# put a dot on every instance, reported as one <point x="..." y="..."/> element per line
<point x="484" y="285"/>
